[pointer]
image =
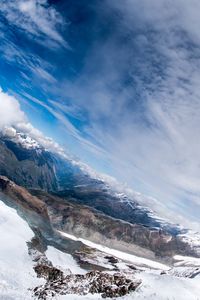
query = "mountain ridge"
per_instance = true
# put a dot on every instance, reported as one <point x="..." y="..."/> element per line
<point x="67" y="185"/>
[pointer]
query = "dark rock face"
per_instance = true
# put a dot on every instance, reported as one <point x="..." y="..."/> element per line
<point x="48" y="272"/>
<point x="111" y="259"/>
<point x="27" y="167"/>
<point x="95" y="282"/>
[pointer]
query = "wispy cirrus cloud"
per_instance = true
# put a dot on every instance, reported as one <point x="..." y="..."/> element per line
<point x="59" y="113"/>
<point x="36" y="18"/>
<point x="133" y="101"/>
<point x="140" y="91"/>
<point x="23" y="26"/>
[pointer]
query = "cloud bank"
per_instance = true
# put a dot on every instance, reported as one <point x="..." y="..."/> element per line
<point x="13" y="119"/>
<point x="10" y="112"/>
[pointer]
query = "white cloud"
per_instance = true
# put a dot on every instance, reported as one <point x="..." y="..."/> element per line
<point x="11" y="116"/>
<point x="10" y="112"/>
<point x="44" y="141"/>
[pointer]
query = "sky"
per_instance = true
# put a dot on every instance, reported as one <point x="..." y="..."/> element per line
<point x="116" y="83"/>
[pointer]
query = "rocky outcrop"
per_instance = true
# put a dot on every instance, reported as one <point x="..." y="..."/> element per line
<point x="21" y="197"/>
<point x="95" y="282"/>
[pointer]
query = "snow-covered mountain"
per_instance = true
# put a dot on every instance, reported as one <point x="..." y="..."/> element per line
<point x="27" y="162"/>
<point x="23" y="139"/>
<point x="77" y="219"/>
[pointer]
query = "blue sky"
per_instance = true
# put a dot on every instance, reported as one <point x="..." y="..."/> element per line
<point x="117" y="83"/>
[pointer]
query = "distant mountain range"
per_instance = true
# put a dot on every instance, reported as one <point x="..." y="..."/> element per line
<point x="30" y="165"/>
<point x="76" y="221"/>
<point x="79" y="204"/>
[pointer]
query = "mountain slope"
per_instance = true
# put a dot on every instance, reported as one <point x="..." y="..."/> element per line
<point x="89" y="209"/>
<point x="48" y="213"/>
<point x="30" y="165"/>
<point x="111" y="216"/>
<point x="18" y="279"/>
<point x="16" y="268"/>
<point x="27" y="166"/>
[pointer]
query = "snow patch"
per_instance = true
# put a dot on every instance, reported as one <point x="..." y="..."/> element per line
<point x="63" y="261"/>
<point x="166" y="287"/>
<point x="186" y="261"/>
<point x="16" y="268"/>
<point x="119" y="254"/>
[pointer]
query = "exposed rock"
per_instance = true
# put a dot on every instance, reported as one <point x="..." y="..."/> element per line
<point x="112" y="259"/>
<point x="163" y="273"/>
<point x="92" y="260"/>
<point x="21" y="196"/>
<point x="50" y="273"/>
<point x="132" y="267"/>
<point x="95" y="282"/>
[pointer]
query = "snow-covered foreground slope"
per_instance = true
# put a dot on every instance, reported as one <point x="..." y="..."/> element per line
<point x="167" y="287"/>
<point x="17" y="276"/>
<point x="16" y="268"/>
<point x="155" y="286"/>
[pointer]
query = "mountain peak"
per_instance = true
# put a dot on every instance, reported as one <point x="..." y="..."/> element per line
<point x="21" y="138"/>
